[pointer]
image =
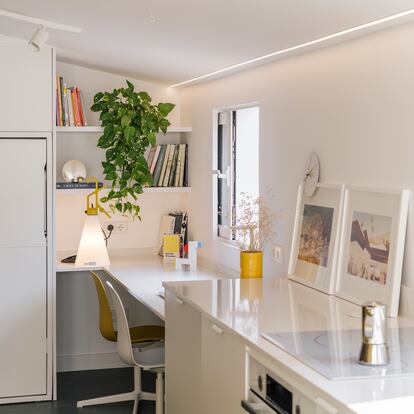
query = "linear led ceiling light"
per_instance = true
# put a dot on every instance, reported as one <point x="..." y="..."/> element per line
<point x="40" y="22"/>
<point x="298" y="47"/>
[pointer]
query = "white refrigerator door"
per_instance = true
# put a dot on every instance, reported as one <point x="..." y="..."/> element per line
<point x="23" y="192"/>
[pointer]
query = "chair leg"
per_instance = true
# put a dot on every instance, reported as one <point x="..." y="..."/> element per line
<point x="136" y="402"/>
<point x="159" y="394"/>
<point x="143" y="395"/>
<point x="128" y="396"/>
<point x="137" y="379"/>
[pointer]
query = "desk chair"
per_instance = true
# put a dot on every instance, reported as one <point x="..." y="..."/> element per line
<point x="140" y="336"/>
<point x="149" y="358"/>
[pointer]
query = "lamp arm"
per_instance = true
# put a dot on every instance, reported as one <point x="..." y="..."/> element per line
<point x="90" y="208"/>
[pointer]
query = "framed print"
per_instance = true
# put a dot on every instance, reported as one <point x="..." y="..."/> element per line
<point x="372" y="246"/>
<point x="316" y="237"/>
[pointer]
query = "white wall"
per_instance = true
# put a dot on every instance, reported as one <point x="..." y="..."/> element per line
<point x="79" y="344"/>
<point x="352" y="103"/>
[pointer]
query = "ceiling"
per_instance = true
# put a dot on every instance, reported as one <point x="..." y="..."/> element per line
<point x="170" y="41"/>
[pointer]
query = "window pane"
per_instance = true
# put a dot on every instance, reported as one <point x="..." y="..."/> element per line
<point x="223" y="163"/>
<point x="247" y="153"/>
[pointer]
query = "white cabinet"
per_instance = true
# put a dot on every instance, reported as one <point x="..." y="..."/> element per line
<point x="23" y="322"/>
<point x="26" y="89"/>
<point x="182" y="357"/>
<point x="23" y="193"/>
<point x="205" y="366"/>
<point x="223" y="370"/>
<point x="25" y="342"/>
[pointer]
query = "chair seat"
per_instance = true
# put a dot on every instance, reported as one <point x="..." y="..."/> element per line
<point x="147" y="333"/>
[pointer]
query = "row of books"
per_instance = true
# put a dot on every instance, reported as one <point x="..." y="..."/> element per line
<point x="168" y="165"/>
<point x="69" y="105"/>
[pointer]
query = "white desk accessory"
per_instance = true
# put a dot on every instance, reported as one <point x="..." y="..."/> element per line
<point x="191" y="260"/>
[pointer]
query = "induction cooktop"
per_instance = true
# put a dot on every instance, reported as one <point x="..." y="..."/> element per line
<point x="334" y="354"/>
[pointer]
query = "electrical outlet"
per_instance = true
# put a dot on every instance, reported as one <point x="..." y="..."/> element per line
<point x="277" y="254"/>
<point x="120" y="227"/>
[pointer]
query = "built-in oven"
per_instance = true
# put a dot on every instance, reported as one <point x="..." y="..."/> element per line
<point x="269" y="394"/>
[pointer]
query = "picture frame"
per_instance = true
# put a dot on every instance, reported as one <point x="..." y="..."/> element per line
<point x="372" y="246"/>
<point x="316" y="237"/>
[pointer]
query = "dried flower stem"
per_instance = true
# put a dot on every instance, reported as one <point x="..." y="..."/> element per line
<point x="254" y="223"/>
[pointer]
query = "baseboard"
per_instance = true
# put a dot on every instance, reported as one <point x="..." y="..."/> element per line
<point x="82" y="362"/>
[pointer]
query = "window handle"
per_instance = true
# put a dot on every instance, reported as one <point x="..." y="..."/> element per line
<point x="225" y="176"/>
<point x="220" y="174"/>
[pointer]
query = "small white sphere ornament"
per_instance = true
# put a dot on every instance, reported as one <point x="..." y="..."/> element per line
<point x="74" y="171"/>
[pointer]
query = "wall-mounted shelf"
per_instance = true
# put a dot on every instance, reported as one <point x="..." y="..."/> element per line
<point x="97" y="129"/>
<point x="84" y="191"/>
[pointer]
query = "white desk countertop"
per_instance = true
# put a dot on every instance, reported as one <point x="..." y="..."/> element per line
<point x="143" y="275"/>
<point x="248" y="308"/>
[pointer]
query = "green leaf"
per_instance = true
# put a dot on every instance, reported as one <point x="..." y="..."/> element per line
<point x="129" y="132"/>
<point x="125" y="121"/>
<point x="96" y="107"/>
<point x="130" y="85"/>
<point x="165" y="108"/>
<point x="98" y="97"/>
<point x="144" y="96"/>
<point x="111" y="175"/>
<point x="152" y="138"/>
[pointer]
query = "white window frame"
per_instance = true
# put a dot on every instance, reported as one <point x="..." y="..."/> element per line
<point x="216" y="174"/>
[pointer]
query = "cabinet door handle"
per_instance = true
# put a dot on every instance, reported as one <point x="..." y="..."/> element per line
<point x="324" y="407"/>
<point x="217" y="329"/>
<point x="45" y="201"/>
<point x="249" y="407"/>
<point x="179" y="301"/>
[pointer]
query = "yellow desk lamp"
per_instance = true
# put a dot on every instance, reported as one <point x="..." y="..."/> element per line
<point x="92" y="251"/>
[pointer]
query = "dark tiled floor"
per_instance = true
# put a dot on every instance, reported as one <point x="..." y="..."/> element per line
<point x="74" y="386"/>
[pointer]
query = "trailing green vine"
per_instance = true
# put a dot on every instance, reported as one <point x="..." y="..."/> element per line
<point x="131" y="123"/>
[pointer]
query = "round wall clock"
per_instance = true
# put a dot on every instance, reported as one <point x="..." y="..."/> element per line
<point x="311" y="177"/>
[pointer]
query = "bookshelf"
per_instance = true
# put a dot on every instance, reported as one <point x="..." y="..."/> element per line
<point x="80" y="143"/>
<point x="147" y="190"/>
<point x="98" y="129"/>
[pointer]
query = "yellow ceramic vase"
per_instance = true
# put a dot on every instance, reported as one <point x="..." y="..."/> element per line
<point x="251" y="264"/>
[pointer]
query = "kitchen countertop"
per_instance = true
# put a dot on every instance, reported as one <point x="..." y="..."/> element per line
<point x="250" y="307"/>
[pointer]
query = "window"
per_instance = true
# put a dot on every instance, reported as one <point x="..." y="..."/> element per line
<point x="235" y="165"/>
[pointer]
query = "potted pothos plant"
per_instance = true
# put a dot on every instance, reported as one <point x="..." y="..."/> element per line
<point x="131" y="123"/>
<point x="254" y="230"/>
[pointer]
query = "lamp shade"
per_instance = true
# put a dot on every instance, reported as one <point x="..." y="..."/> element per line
<point x="92" y="250"/>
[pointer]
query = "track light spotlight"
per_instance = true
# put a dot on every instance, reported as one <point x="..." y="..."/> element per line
<point x="39" y="38"/>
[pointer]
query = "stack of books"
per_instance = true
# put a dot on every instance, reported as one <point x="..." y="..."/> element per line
<point x="74" y="185"/>
<point x="69" y="105"/>
<point x="168" y="165"/>
<point x="174" y="223"/>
